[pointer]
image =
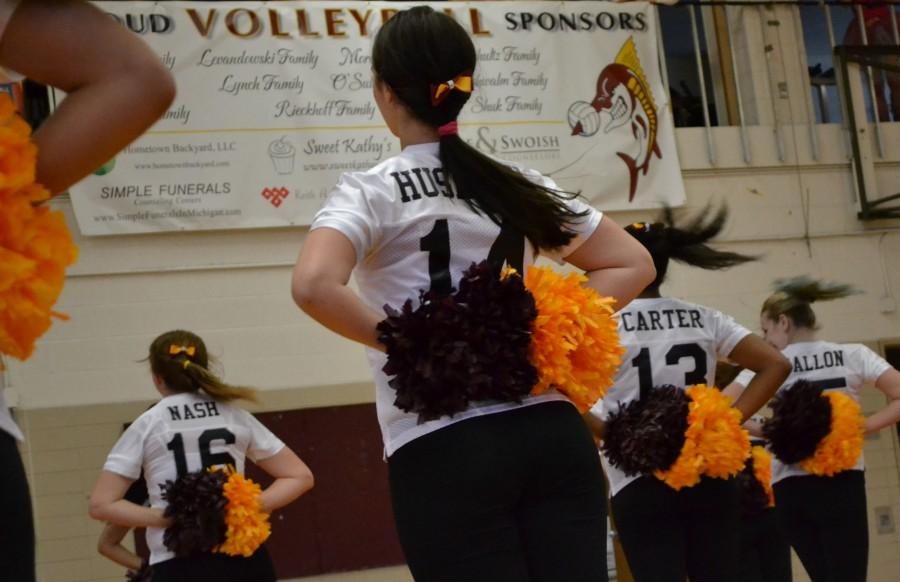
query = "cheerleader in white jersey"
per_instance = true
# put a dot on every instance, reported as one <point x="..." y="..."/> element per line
<point x="692" y="533"/>
<point x="501" y="490"/>
<point x="823" y="517"/>
<point x="116" y="88"/>
<point x="193" y="427"/>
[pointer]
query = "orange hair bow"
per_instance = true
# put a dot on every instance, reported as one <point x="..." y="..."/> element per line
<point x="175" y="349"/>
<point x="440" y="91"/>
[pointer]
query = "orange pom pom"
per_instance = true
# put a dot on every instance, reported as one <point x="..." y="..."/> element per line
<point x="715" y="444"/>
<point x="724" y="444"/>
<point x="575" y="340"/>
<point x="248" y="525"/>
<point x="35" y="243"/>
<point x="842" y="447"/>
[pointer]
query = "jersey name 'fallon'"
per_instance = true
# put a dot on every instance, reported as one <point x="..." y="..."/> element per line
<point x="810" y="362"/>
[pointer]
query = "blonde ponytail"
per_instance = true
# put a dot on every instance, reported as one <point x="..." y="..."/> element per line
<point x="180" y="359"/>
<point x="213" y="386"/>
<point x="794" y="297"/>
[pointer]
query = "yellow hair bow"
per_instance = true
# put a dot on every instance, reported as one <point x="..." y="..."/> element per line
<point x="440" y="91"/>
<point x="175" y="349"/>
<point x="645" y="226"/>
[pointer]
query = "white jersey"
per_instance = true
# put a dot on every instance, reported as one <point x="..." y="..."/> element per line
<point x="411" y="233"/>
<point x="843" y="367"/>
<point x="183" y="433"/>
<point x="668" y="341"/>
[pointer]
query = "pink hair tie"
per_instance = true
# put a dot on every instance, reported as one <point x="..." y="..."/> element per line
<point x="451" y="128"/>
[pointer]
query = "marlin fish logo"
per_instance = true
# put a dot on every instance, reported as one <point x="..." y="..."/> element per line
<point x="623" y="96"/>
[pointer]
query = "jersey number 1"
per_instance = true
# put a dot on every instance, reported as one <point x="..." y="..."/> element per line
<point x="508" y="247"/>
<point x="207" y="458"/>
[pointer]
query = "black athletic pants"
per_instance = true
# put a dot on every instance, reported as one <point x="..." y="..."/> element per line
<point x="16" y="526"/>
<point x="217" y="568"/>
<point x="824" y="519"/>
<point x="671" y="535"/>
<point x="765" y="552"/>
<point x="515" y="496"/>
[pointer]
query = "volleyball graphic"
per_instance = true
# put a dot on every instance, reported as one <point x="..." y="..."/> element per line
<point x="585" y="118"/>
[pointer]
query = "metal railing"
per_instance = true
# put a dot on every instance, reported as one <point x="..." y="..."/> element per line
<point x="869" y="58"/>
<point x="818" y="86"/>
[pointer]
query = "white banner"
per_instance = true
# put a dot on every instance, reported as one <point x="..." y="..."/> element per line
<point x="275" y="102"/>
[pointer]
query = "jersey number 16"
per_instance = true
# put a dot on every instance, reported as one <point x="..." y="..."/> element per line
<point x="207" y="457"/>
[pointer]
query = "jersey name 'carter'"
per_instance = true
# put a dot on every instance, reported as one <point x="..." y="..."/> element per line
<point x="660" y="320"/>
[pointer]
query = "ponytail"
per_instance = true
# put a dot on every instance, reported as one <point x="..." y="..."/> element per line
<point x="180" y="359"/>
<point x="794" y="297"/>
<point x="508" y="197"/>
<point x="205" y="380"/>
<point x="687" y="243"/>
<point x="418" y="50"/>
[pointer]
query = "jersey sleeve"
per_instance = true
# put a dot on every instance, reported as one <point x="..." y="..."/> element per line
<point x="867" y="363"/>
<point x="127" y="455"/>
<point x="263" y="442"/>
<point x="744" y="377"/>
<point x="583" y="227"/>
<point x="348" y="211"/>
<point x="728" y="332"/>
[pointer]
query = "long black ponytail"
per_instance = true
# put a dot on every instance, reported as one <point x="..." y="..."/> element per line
<point x="419" y="48"/>
<point x="685" y="243"/>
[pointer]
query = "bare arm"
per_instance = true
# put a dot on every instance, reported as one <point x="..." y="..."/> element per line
<point x="319" y="287"/>
<point x="771" y="370"/>
<point x="889" y="383"/>
<point x="110" y="546"/>
<point x="615" y="263"/>
<point x="292" y="479"/>
<point x="733" y="390"/>
<point x="108" y="504"/>
<point x="117" y="87"/>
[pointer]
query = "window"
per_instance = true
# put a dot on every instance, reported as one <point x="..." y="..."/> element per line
<point x="846" y="31"/>
<point x="681" y="66"/>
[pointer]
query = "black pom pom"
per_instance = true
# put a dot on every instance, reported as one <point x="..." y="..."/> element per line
<point x="801" y="419"/>
<point x="647" y="435"/>
<point x="145" y="574"/>
<point x="196" y="504"/>
<point x="754" y="499"/>
<point x="469" y="346"/>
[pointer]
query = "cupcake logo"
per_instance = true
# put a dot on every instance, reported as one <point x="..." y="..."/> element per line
<point x="282" y="152"/>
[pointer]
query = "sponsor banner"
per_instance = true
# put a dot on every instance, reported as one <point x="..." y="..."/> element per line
<point x="275" y="102"/>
